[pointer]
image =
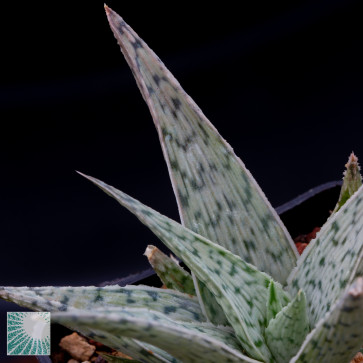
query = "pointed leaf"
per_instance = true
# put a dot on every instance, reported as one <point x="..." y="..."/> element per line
<point x="217" y="196"/>
<point x="339" y="335"/>
<point x="240" y="289"/>
<point x="190" y="342"/>
<point x="286" y="333"/>
<point x="169" y="271"/>
<point x="174" y="276"/>
<point x="172" y="303"/>
<point x="276" y="301"/>
<point x="352" y="180"/>
<point x="332" y="260"/>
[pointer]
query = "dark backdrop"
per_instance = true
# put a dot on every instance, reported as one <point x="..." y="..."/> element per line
<point x="282" y="83"/>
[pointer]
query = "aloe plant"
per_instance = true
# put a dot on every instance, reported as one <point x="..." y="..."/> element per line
<point x="249" y="297"/>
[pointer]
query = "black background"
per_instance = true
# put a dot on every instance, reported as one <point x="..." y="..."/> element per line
<point x="282" y="82"/>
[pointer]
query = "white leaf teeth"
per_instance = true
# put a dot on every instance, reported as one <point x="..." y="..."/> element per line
<point x="356" y="290"/>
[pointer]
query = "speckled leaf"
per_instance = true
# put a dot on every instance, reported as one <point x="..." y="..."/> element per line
<point x="190" y="342"/>
<point x="175" y="277"/>
<point x="140" y="351"/>
<point x="114" y="359"/>
<point x="217" y="196"/>
<point x="156" y="352"/>
<point x="331" y="261"/>
<point x="111" y="298"/>
<point x="286" y="333"/>
<point x="213" y="311"/>
<point x="240" y="289"/>
<point x="352" y="180"/>
<point x="275" y="302"/>
<point x="169" y="271"/>
<point x="339" y="335"/>
<point x="172" y="303"/>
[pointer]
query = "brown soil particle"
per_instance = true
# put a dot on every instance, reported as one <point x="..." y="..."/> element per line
<point x="77" y="347"/>
<point x="303" y="240"/>
<point x="358" y="358"/>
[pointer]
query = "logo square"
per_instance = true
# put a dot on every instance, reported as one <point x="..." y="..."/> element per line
<point x="28" y="333"/>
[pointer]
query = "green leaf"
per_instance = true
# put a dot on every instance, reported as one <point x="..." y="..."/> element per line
<point x="175" y="277"/>
<point x="286" y="333"/>
<point x="339" y="335"/>
<point x="140" y="351"/>
<point x="214" y="311"/>
<point x="276" y="301"/>
<point x="156" y="352"/>
<point x="134" y="348"/>
<point x="331" y="261"/>
<point x="172" y="303"/>
<point x="114" y="359"/>
<point x="111" y="298"/>
<point x="240" y="289"/>
<point x="190" y="342"/>
<point x="352" y="181"/>
<point x="217" y="196"/>
<point x="169" y="271"/>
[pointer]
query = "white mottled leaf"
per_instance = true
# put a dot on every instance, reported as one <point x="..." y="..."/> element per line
<point x="214" y="311"/>
<point x="339" y="334"/>
<point x="275" y="302"/>
<point x="169" y="271"/>
<point x="140" y="351"/>
<point x="156" y="352"/>
<point x="240" y="289"/>
<point x="352" y="181"/>
<point x="331" y="261"/>
<point x="190" y="342"/>
<point x="177" y="305"/>
<point x="287" y="331"/>
<point x="110" y="298"/>
<point x="175" y="277"/>
<point x="114" y="359"/>
<point x="217" y="196"/>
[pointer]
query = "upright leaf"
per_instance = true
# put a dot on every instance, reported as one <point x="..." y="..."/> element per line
<point x="217" y="196"/>
<point x="352" y="180"/>
<point x="189" y="342"/>
<point x="240" y="289"/>
<point x="169" y="271"/>
<point x="287" y="331"/>
<point x="331" y="261"/>
<point x="275" y="302"/>
<point x="339" y="335"/>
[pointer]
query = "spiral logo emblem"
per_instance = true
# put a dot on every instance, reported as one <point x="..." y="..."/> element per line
<point x="28" y="333"/>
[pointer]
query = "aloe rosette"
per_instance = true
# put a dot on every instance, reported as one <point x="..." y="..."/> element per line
<point x="249" y="297"/>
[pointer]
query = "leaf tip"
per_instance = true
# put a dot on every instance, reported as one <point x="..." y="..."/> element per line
<point x="85" y="175"/>
<point x="352" y="159"/>
<point x="150" y="249"/>
<point x="108" y="10"/>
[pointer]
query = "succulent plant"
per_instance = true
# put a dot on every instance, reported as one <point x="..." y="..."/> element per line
<point x="249" y="297"/>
